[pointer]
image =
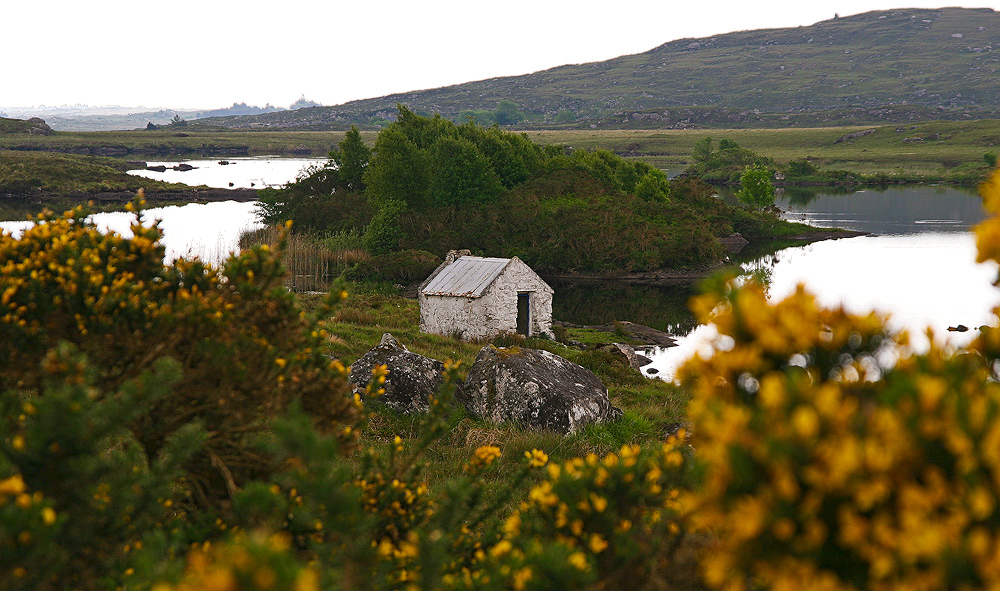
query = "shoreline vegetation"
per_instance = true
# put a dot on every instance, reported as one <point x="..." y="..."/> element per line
<point x="429" y="186"/>
<point x="577" y="212"/>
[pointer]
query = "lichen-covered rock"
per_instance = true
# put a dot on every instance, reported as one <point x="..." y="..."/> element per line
<point x="411" y="380"/>
<point x="536" y="389"/>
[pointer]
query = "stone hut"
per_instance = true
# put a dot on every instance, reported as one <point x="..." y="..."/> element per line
<point x="477" y="298"/>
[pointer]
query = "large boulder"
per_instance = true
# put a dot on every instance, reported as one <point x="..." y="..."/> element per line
<point x="536" y="389"/>
<point x="411" y="380"/>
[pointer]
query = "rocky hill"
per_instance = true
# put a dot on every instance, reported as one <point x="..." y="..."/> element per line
<point x="33" y="126"/>
<point x="935" y="63"/>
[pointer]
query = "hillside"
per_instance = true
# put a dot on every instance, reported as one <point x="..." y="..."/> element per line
<point x="935" y="63"/>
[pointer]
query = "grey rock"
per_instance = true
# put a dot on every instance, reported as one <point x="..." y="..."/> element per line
<point x="734" y="243"/>
<point x="535" y="389"/>
<point x="39" y="127"/>
<point x="411" y="380"/>
<point x="854" y="136"/>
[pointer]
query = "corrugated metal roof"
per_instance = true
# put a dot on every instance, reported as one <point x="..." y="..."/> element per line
<point x="466" y="277"/>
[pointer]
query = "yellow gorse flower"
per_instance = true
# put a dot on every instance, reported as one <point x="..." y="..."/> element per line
<point x="536" y="458"/>
<point x="829" y="442"/>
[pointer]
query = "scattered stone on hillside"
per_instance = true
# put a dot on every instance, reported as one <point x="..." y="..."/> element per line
<point x="535" y="389"/>
<point x="853" y="136"/>
<point x="412" y="378"/>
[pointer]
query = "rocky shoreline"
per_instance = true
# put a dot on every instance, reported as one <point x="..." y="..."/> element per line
<point x="200" y="195"/>
<point x="195" y="195"/>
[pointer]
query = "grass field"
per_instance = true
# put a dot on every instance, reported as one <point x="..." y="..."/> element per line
<point x="926" y="148"/>
<point x="140" y="144"/>
<point x="956" y="143"/>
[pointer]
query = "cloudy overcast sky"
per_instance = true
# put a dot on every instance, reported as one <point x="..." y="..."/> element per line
<point x="211" y="53"/>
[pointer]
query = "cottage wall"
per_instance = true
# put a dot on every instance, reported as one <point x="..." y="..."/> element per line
<point x="501" y="299"/>
<point x="492" y="313"/>
<point x="450" y="315"/>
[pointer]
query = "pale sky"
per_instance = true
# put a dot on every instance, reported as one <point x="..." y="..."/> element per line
<point x="210" y="53"/>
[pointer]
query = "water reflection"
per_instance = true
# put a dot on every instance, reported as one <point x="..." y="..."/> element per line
<point x="207" y="230"/>
<point x="883" y="211"/>
<point x="919" y="268"/>
<point x="238" y="173"/>
<point x="598" y="303"/>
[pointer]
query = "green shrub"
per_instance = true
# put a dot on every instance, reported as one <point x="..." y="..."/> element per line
<point x="404" y="266"/>
<point x="245" y="350"/>
<point x="83" y="491"/>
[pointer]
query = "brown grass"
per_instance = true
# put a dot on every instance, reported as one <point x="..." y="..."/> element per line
<point x="312" y="266"/>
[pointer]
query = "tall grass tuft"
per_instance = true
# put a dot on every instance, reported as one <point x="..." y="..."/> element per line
<point x="313" y="263"/>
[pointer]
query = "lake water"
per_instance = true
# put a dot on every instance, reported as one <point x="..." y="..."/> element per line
<point x="207" y="230"/>
<point x="918" y="266"/>
<point x="210" y="231"/>
<point x="243" y="172"/>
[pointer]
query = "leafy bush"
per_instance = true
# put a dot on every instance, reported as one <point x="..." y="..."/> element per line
<point x="403" y="266"/>
<point x="756" y="190"/>
<point x="724" y="164"/>
<point x="618" y="516"/>
<point x="78" y="509"/>
<point x="567" y="219"/>
<point x="244" y="349"/>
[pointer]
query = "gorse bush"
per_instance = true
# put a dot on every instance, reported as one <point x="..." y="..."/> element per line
<point x="245" y="350"/>
<point x="71" y="511"/>
<point x="838" y="458"/>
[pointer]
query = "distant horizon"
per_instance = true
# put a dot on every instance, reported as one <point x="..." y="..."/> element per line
<point x="335" y="54"/>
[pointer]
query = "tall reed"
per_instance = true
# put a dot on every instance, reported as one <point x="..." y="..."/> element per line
<point x="313" y="262"/>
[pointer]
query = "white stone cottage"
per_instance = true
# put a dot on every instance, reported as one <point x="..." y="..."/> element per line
<point x="477" y="298"/>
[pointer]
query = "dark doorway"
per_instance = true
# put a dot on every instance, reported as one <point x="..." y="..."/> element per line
<point x="523" y="313"/>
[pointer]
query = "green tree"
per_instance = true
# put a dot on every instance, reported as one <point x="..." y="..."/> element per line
<point x="702" y="149"/>
<point x="801" y="167"/>
<point x="653" y="187"/>
<point x="399" y="170"/>
<point x="756" y="189"/>
<point x="508" y="113"/>
<point x="383" y="233"/>
<point x="351" y="158"/>
<point x="461" y="173"/>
